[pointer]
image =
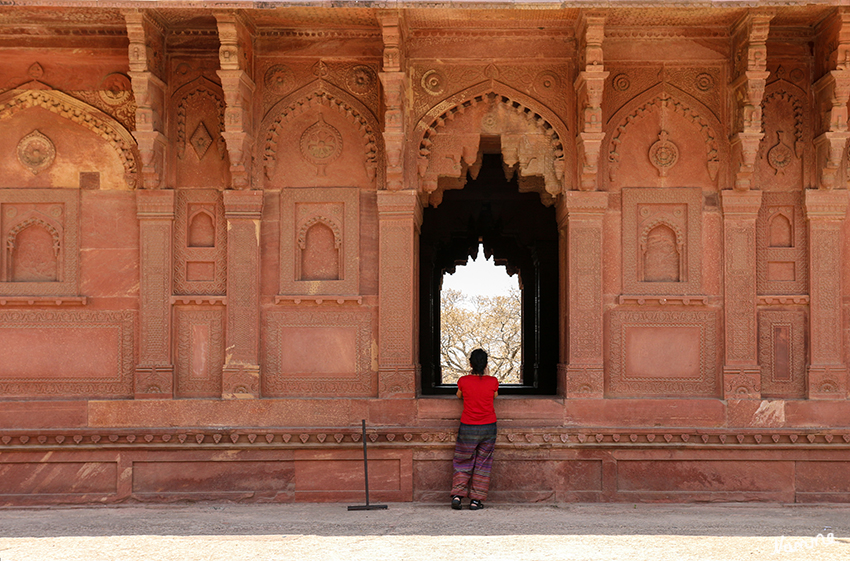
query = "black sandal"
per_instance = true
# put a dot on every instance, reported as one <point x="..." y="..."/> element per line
<point x="476" y="505"/>
<point x="456" y="504"/>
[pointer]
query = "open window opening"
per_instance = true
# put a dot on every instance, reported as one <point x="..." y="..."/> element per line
<point x="481" y="307"/>
<point x="491" y="215"/>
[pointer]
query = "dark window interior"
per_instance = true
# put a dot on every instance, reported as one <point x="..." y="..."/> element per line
<point x="520" y="232"/>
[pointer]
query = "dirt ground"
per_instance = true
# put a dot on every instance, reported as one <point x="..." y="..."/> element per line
<point x="296" y="532"/>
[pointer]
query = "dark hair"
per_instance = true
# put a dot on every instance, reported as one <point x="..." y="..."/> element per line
<point x="478" y="361"/>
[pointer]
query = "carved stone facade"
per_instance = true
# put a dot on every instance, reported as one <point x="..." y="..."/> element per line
<point x="216" y="226"/>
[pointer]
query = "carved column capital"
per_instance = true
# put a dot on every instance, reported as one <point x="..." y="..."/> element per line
<point x="400" y="205"/>
<point x="236" y="62"/>
<point x="740" y="206"/>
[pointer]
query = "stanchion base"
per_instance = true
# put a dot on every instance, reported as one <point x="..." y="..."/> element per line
<point x="368" y="507"/>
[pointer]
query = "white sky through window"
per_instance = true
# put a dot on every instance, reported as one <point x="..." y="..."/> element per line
<point x="481" y="277"/>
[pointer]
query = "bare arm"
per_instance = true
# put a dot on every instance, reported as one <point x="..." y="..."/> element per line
<point x="460" y="394"/>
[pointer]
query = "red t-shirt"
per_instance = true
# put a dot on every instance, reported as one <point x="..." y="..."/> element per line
<point x="478" y="392"/>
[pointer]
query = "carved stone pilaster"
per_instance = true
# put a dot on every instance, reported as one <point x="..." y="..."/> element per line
<point x="827" y="374"/>
<point x="155" y="371"/>
<point x="400" y="217"/>
<point x="241" y="371"/>
<point x="741" y="371"/>
<point x="833" y="89"/>
<point x="236" y="59"/>
<point x="749" y="89"/>
<point x="146" y="73"/>
<point x="831" y="92"/>
<point x="589" y="86"/>
<point x="394" y="80"/>
<point x="584" y="214"/>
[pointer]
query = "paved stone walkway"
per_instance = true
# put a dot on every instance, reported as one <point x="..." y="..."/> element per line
<point x="296" y="532"/>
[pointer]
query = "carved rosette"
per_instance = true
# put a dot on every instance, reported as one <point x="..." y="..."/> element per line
<point x="780" y="155"/>
<point x="115" y="89"/>
<point x="36" y="152"/>
<point x="321" y="144"/>
<point x="361" y="80"/>
<point x="663" y="154"/>
<point x="433" y="82"/>
<point x="279" y="79"/>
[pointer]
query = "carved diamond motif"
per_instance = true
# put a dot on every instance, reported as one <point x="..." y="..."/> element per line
<point x="201" y="140"/>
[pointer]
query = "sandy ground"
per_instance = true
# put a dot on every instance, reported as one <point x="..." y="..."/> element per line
<point x="295" y="532"/>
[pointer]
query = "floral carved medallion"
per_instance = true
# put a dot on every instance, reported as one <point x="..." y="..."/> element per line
<point x="115" y="89"/>
<point x="36" y="152"/>
<point x="361" y="80"/>
<point x="321" y="144"/>
<point x="663" y="154"/>
<point x="780" y="155"/>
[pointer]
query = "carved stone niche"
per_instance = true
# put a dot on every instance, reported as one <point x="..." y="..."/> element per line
<point x="782" y="353"/>
<point x="662" y="354"/>
<point x="781" y="245"/>
<point x="200" y="243"/>
<point x="200" y="150"/>
<point x="662" y="241"/>
<point x="320" y="241"/>
<point x="41" y="242"/>
<point x="311" y="352"/>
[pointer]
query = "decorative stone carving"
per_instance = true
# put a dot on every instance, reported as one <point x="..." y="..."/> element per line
<point x="321" y="144"/>
<point x="200" y="255"/>
<point x="704" y="82"/>
<point x="293" y="368"/>
<point x="663" y="154"/>
<point x="664" y="354"/>
<point x="193" y="107"/>
<point x="780" y="155"/>
<point x="661" y="236"/>
<point x="433" y="82"/>
<point x="449" y="140"/>
<point x="40" y="235"/>
<point x="361" y="80"/>
<point x="35" y="346"/>
<point x="782" y="353"/>
<point x="36" y="152"/>
<point x="621" y="82"/>
<point x="782" y="245"/>
<point x="662" y="103"/>
<point x="279" y="79"/>
<point x="308" y="212"/>
<point x="199" y="353"/>
<point x="115" y="89"/>
<point x="329" y="143"/>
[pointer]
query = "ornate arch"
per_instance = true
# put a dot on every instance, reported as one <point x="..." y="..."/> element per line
<point x="201" y="86"/>
<point x="660" y="97"/>
<point x="786" y="91"/>
<point x="12" y="235"/>
<point x="334" y="227"/>
<point x="80" y="113"/>
<point x="532" y="136"/>
<point x="320" y="92"/>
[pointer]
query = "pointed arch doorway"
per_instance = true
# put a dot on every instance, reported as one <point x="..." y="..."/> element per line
<point x="507" y="217"/>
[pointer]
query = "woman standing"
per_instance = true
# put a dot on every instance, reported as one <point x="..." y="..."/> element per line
<point x="476" y="437"/>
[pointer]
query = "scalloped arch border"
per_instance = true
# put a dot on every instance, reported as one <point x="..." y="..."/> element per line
<point x="442" y="113"/>
<point x="81" y="113"/>
<point x="796" y="96"/>
<point x="308" y="96"/>
<point x="685" y="105"/>
<point x="199" y="85"/>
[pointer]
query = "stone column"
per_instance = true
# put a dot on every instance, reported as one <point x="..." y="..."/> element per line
<point x="741" y="371"/>
<point x="236" y="59"/>
<point x="400" y="217"/>
<point x="155" y="372"/>
<point x="584" y="213"/>
<point x="146" y="56"/>
<point x="827" y="373"/>
<point x="241" y="371"/>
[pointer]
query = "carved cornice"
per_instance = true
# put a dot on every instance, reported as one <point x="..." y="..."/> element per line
<point x="417" y="437"/>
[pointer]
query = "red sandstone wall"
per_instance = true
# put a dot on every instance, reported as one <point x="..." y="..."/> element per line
<point x="210" y="225"/>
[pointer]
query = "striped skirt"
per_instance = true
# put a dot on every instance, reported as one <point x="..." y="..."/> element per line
<point x="473" y="460"/>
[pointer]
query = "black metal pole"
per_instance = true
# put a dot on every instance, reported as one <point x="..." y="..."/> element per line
<point x="365" y="462"/>
<point x="367" y="506"/>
